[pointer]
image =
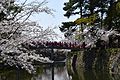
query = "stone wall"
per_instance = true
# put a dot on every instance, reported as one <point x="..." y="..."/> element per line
<point x="98" y="59"/>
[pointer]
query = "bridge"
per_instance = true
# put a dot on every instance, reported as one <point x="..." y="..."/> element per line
<point x="46" y="49"/>
<point x="54" y="45"/>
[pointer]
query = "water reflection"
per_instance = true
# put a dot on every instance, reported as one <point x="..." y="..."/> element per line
<point x="93" y="75"/>
<point x="56" y="72"/>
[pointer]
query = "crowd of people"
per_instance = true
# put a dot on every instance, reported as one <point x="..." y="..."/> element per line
<point x="59" y="45"/>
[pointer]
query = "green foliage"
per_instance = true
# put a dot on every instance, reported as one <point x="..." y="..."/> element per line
<point x="78" y="37"/>
<point x="86" y="9"/>
<point x="113" y="51"/>
<point x="107" y="11"/>
<point x="118" y="6"/>
<point x="39" y="69"/>
<point x="66" y="26"/>
<point x="70" y="8"/>
<point x="91" y="19"/>
<point x="113" y="16"/>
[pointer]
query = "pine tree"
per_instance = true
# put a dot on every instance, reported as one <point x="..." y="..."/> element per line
<point x="95" y="13"/>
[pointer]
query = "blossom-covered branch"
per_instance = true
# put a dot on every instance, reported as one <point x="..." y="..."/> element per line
<point x="15" y="28"/>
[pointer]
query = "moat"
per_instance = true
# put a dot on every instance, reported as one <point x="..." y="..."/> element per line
<point x="57" y="71"/>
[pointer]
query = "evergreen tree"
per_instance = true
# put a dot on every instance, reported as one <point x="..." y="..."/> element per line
<point x="95" y="13"/>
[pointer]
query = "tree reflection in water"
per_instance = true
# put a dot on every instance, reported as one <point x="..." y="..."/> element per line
<point x="93" y="75"/>
<point x="56" y="72"/>
<point x="53" y="72"/>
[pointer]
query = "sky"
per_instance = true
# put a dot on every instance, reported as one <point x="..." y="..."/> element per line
<point x="58" y="18"/>
<point x="46" y="20"/>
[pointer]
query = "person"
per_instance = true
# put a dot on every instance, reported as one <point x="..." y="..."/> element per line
<point x="83" y="45"/>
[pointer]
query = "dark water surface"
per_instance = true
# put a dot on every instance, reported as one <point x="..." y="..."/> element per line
<point x="56" y="72"/>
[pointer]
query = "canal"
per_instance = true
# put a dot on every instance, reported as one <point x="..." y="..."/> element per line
<point x="55" y="71"/>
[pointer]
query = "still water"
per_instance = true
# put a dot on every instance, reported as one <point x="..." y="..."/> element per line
<point x="56" y="72"/>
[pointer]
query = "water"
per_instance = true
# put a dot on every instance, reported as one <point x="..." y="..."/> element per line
<point x="56" y="72"/>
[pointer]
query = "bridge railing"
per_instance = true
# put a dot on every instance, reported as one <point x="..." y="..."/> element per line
<point x="54" y="45"/>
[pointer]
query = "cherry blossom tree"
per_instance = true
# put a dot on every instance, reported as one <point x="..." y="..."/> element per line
<point x="16" y="28"/>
